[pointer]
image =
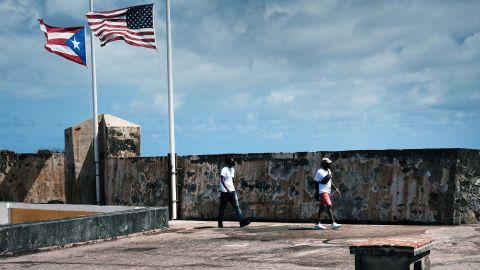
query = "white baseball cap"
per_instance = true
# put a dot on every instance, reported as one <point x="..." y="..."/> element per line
<point x="326" y="160"/>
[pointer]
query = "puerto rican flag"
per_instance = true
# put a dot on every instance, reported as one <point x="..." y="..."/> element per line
<point x="68" y="42"/>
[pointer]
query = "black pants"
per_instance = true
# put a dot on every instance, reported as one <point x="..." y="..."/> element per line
<point x="231" y="197"/>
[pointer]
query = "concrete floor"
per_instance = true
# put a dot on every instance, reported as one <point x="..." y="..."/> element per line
<point x="200" y="245"/>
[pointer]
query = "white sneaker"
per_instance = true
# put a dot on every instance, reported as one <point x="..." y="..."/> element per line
<point x="319" y="226"/>
<point x="335" y="225"/>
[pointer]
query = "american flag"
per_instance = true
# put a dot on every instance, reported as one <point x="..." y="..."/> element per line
<point x="68" y="42"/>
<point x="134" y="25"/>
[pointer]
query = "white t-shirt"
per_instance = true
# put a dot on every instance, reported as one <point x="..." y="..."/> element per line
<point x="228" y="174"/>
<point x="319" y="175"/>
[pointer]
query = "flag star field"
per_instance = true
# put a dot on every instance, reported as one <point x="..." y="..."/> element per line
<point x="140" y="17"/>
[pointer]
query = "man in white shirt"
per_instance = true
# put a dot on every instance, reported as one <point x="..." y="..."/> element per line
<point x="324" y="184"/>
<point x="228" y="194"/>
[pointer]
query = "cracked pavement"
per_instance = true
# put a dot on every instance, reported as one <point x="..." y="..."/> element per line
<point x="262" y="245"/>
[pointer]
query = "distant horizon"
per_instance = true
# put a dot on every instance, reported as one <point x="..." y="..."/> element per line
<point x="254" y="76"/>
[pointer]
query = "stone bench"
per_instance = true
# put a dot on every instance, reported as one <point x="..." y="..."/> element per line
<point x="392" y="254"/>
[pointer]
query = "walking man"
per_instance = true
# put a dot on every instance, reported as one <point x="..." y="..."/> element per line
<point x="228" y="194"/>
<point x="324" y="185"/>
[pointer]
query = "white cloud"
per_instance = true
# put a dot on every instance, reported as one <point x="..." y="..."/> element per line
<point x="160" y="103"/>
<point x="282" y="96"/>
<point x="75" y="9"/>
<point x="243" y="101"/>
<point x="31" y="72"/>
<point x="17" y="15"/>
<point x="378" y="64"/>
<point x="267" y="69"/>
<point x="232" y="72"/>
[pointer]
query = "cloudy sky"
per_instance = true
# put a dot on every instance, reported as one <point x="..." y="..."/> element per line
<point x="255" y="76"/>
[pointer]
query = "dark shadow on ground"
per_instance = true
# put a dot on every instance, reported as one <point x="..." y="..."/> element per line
<point x="204" y="227"/>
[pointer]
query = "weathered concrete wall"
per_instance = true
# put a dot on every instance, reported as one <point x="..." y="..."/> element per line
<point x="270" y="186"/>
<point x="137" y="181"/>
<point x="377" y="186"/>
<point x="35" y="235"/>
<point x="32" y="178"/>
<point x="467" y="188"/>
<point x="397" y="186"/>
<point x="393" y="186"/>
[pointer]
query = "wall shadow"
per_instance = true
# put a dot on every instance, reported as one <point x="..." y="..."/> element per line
<point x="80" y="187"/>
<point x="20" y="173"/>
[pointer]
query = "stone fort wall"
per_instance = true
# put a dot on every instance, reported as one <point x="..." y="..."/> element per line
<point x="432" y="186"/>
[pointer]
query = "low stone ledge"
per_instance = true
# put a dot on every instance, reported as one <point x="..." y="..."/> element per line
<point x="392" y="254"/>
<point x="31" y="236"/>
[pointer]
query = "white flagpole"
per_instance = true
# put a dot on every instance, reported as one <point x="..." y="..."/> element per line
<point x="170" y="115"/>
<point x="95" y="119"/>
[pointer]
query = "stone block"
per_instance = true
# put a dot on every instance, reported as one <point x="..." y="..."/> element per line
<point x="116" y="138"/>
<point x="392" y="254"/>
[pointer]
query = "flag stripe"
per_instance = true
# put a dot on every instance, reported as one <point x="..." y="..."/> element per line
<point x="141" y="36"/>
<point x="132" y="37"/>
<point x="110" y="13"/>
<point x="109" y="22"/>
<point x="113" y="37"/>
<point x="59" y="35"/>
<point x="98" y="23"/>
<point x="50" y="29"/>
<point x="103" y="30"/>
<point x="109" y="26"/>
<point x="66" y="55"/>
<point x="130" y="41"/>
<point x="61" y="49"/>
<point x="119" y="24"/>
<point x="56" y="42"/>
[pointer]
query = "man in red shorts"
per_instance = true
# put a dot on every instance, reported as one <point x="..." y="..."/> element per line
<point x="324" y="186"/>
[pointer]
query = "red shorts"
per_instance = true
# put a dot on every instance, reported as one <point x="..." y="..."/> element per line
<point x="325" y="199"/>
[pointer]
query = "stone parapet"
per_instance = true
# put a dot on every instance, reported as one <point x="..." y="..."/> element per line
<point x="428" y="186"/>
<point x="32" y="236"/>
